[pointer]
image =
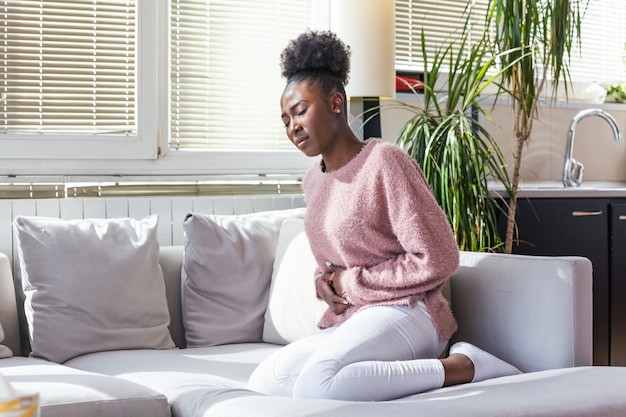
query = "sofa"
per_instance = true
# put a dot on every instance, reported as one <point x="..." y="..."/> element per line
<point x="102" y="321"/>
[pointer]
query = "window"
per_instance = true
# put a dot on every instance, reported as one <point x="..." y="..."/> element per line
<point x="442" y="23"/>
<point x="602" y="48"/>
<point x="224" y="72"/>
<point x="603" y="42"/>
<point x="69" y="71"/>
<point x="99" y="87"/>
<point x="69" y="80"/>
<point x="221" y="90"/>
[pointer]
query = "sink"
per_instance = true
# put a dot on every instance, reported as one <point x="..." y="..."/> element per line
<point x="549" y="189"/>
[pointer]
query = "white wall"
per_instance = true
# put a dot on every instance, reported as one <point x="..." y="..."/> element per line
<point x="543" y="158"/>
<point x="171" y="212"/>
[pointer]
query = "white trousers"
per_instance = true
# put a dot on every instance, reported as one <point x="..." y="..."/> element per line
<point x="380" y="353"/>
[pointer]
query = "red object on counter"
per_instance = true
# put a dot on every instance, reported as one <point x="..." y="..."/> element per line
<point x="405" y="82"/>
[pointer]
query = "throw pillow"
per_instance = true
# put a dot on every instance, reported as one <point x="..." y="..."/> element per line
<point x="92" y="285"/>
<point x="227" y="267"/>
<point x="5" y="352"/>
<point x="293" y="309"/>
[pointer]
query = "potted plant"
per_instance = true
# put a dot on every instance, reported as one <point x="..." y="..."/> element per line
<point x="457" y="155"/>
<point x="539" y="35"/>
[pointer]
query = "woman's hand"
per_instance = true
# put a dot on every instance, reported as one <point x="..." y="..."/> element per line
<point x="329" y="289"/>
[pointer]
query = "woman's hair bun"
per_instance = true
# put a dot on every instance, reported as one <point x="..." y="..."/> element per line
<point x="316" y="51"/>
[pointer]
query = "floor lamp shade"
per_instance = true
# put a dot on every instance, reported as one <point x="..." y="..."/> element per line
<point x="368" y="28"/>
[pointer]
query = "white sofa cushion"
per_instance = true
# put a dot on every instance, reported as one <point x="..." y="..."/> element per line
<point x="193" y="379"/>
<point x="92" y="285"/>
<point x="293" y="309"/>
<point x="69" y="392"/>
<point x="572" y="392"/>
<point x="211" y="382"/>
<point x="179" y="371"/>
<point x="227" y="267"/>
<point x="5" y="352"/>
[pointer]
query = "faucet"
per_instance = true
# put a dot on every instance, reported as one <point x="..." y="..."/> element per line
<point x="573" y="169"/>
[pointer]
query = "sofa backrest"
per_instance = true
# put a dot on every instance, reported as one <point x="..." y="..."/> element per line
<point x="8" y="306"/>
<point x="535" y="312"/>
<point x="171" y="260"/>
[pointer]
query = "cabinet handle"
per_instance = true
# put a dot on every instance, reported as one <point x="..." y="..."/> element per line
<point x="586" y="213"/>
<point x="622" y="217"/>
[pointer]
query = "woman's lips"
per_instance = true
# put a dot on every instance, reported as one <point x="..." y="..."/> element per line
<point x="301" y="142"/>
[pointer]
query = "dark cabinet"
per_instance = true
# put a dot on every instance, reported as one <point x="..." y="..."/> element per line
<point x="618" y="283"/>
<point x="580" y="227"/>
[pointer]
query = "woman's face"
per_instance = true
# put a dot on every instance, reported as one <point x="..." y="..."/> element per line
<point x="311" y="120"/>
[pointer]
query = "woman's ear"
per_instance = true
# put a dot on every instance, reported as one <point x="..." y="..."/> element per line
<point x="337" y="101"/>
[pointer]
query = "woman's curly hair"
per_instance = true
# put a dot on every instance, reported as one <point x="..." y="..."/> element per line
<point x="319" y="56"/>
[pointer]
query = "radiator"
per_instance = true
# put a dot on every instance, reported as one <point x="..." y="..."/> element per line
<point x="171" y="212"/>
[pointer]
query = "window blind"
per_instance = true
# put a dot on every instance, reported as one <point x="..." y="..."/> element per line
<point x="603" y="39"/>
<point x="68" y="67"/>
<point x="442" y="23"/>
<point x="225" y="82"/>
<point x="603" y="36"/>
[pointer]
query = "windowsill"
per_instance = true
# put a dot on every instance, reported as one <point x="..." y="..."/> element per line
<point x="174" y="165"/>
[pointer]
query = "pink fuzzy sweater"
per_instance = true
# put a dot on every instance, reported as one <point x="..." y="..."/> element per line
<point x="376" y="216"/>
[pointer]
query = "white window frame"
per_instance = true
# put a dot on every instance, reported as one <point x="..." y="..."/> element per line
<point x="27" y="147"/>
<point x="217" y="162"/>
<point x="147" y="154"/>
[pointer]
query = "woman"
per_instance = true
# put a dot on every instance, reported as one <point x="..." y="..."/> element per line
<point x="384" y="250"/>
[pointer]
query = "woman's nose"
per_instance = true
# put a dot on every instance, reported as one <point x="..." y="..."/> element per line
<point x="295" y="128"/>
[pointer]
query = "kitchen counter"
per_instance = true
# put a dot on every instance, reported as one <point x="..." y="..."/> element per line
<point x="555" y="189"/>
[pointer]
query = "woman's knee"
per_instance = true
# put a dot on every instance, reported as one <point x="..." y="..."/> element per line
<point x="318" y="382"/>
<point x="270" y="379"/>
<point x="261" y="380"/>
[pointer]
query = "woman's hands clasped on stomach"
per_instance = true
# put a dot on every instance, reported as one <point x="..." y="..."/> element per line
<point x="329" y="289"/>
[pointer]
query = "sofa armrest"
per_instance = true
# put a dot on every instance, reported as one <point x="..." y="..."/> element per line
<point x="532" y="311"/>
<point x="8" y="307"/>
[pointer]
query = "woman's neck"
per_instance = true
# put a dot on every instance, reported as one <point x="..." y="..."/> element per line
<point x="343" y="152"/>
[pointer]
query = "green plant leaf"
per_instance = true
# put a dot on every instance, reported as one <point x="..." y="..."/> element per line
<point x="457" y="154"/>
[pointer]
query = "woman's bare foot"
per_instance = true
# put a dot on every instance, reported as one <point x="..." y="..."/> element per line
<point x="482" y="365"/>
<point x="485" y="365"/>
<point x="459" y="369"/>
